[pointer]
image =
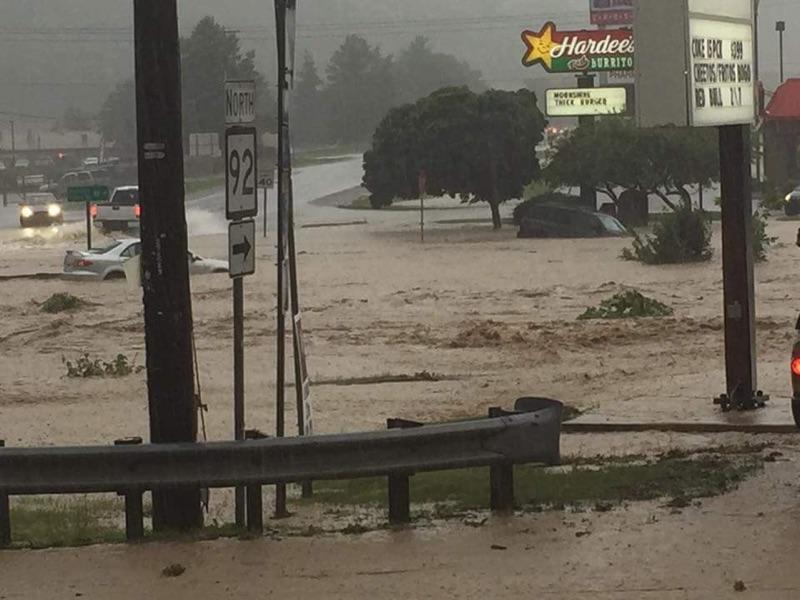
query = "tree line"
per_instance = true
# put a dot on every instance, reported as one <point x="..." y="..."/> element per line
<point x="342" y="106"/>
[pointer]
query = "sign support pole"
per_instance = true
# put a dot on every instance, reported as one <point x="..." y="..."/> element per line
<point x="588" y="193"/>
<point x="88" y="225"/>
<point x="265" y="211"/>
<point x="238" y="384"/>
<point x="737" y="263"/>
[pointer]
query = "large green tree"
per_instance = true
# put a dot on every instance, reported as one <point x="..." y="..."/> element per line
<point x="617" y="155"/>
<point x="360" y="90"/>
<point x="117" y="119"/>
<point x="477" y="147"/>
<point x="209" y="56"/>
<point x="308" y="123"/>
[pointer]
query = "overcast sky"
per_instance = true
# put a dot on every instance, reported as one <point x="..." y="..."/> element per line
<point x="54" y="53"/>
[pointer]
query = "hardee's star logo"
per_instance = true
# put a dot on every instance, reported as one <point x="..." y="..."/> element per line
<point x="540" y="45"/>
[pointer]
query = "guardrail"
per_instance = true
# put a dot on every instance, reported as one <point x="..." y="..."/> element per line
<point x="529" y="434"/>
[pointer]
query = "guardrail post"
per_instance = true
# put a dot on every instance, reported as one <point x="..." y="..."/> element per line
<point x="5" y="516"/>
<point x="255" y="508"/>
<point x="134" y="509"/>
<point x="399" y="483"/>
<point x="501" y="479"/>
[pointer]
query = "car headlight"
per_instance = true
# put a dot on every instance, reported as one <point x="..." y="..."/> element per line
<point x="53" y="210"/>
<point x="27" y="212"/>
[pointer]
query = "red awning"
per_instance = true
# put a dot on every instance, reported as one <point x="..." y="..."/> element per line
<point x="785" y="103"/>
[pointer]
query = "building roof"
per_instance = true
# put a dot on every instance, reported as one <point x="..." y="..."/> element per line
<point x="785" y="103"/>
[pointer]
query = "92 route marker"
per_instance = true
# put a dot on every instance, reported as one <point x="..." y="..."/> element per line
<point x="242" y="248"/>
<point x="241" y="173"/>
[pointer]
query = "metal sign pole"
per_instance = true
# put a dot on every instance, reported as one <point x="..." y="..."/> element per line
<point x="238" y="384"/>
<point x="88" y="225"/>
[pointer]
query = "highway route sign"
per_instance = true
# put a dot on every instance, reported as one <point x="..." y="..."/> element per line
<point x="242" y="248"/>
<point x="241" y="173"/>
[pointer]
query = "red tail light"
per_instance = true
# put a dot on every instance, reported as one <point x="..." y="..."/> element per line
<point x="796" y="366"/>
<point x="83" y="263"/>
<point x="93" y="210"/>
<point x="137" y="211"/>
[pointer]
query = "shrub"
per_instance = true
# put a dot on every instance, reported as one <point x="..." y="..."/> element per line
<point x="630" y="304"/>
<point x="761" y="241"/>
<point x="61" y="302"/>
<point x="770" y="198"/>
<point x="521" y="210"/>
<point x="683" y="236"/>
<point x="85" y="367"/>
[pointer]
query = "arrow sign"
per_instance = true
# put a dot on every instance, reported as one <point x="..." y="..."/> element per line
<point x="241" y="248"/>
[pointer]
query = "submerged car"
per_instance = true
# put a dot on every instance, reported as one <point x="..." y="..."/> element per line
<point x="108" y="262"/>
<point x="552" y="221"/>
<point x="40" y="210"/>
<point x="791" y="203"/>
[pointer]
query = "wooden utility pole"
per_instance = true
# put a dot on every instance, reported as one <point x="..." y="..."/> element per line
<point x="165" y="265"/>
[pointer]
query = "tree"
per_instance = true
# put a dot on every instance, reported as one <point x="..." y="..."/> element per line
<point x="209" y="56"/>
<point x="617" y="155"/>
<point x="360" y="90"/>
<point x="308" y="125"/>
<point x="419" y="71"/>
<point x="480" y="148"/>
<point x="75" y="119"/>
<point x="117" y="119"/>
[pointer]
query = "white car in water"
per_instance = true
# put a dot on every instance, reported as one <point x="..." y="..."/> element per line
<point x="109" y="262"/>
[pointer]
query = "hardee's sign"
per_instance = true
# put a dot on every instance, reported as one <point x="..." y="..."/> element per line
<point x="579" y="51"/>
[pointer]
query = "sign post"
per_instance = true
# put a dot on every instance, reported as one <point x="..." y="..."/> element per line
<point x="709" y="82"/>
<point x="241" y="204"/>
<point x="88" y="195"/>
<point x="267" y="183"/>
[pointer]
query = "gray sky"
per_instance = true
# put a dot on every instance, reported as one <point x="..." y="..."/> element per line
<point x="54" y="53"/>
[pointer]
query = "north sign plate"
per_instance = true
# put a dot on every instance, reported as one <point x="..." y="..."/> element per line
<point x="240" y="102"/>
<point x="241" y="173"/>
<point x="242" y="248"/>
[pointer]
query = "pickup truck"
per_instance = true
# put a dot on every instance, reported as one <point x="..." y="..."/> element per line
<point x="121" y="212"/>
<point x="76" y="178"/>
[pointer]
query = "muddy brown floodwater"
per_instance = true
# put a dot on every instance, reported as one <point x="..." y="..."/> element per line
<point x="495" y="317"/>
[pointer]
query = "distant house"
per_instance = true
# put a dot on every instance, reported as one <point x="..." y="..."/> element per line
<point x="36" y="137"/>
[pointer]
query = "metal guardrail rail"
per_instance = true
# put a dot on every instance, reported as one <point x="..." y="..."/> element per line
<point x="530" y="434"/>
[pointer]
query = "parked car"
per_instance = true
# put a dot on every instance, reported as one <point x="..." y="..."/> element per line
<point x="121" y="212"/>
<point x="791" y="204"/>
<point x="550" y="221"/>
<point x="108" y="262"/>
<point x="90" y="161"/>
<point x="22" y="163"/>
<point x="40" y="210"/>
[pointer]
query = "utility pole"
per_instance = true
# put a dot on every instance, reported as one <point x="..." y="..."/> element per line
<point x="780" y="27"/>
<point x="13" y="147"/>
<point x="284" y="181"/>
<point x="165" y="265"/>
